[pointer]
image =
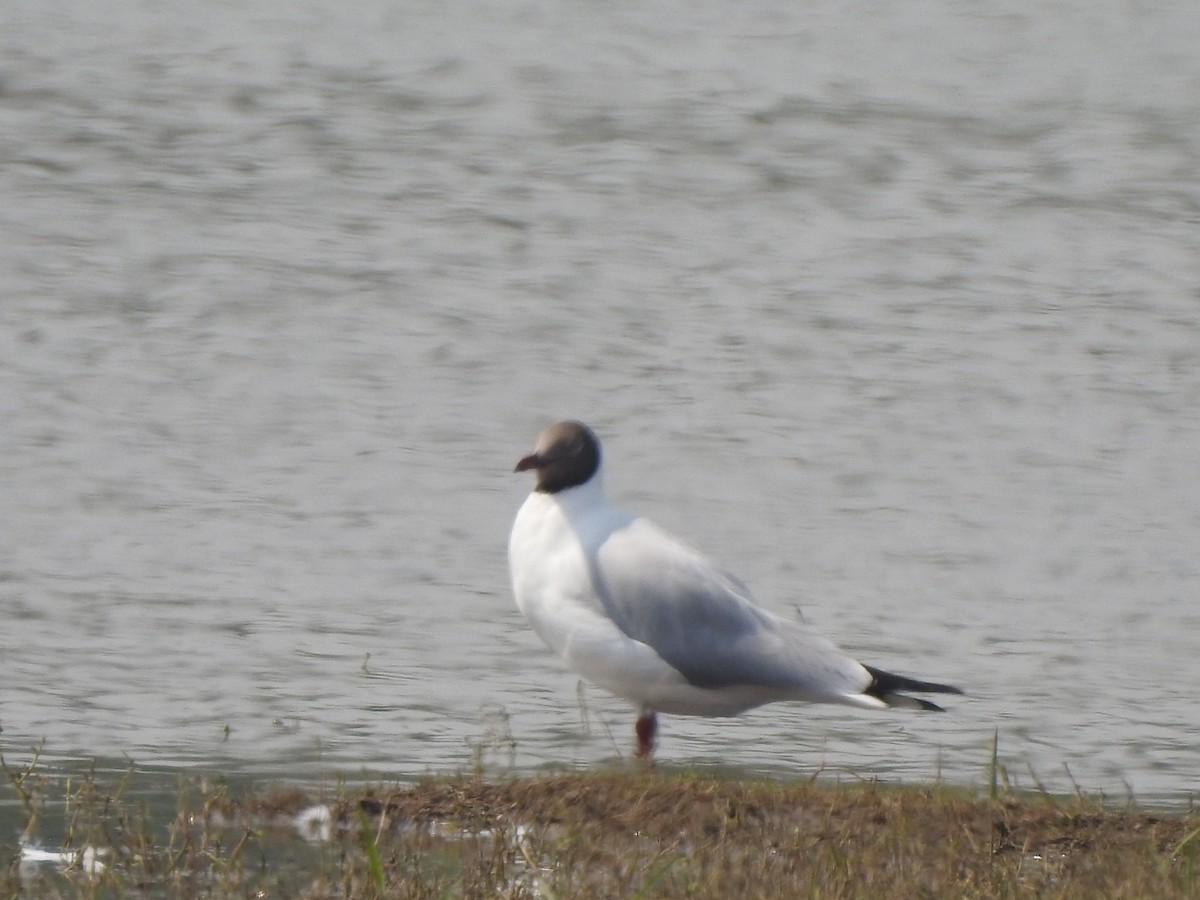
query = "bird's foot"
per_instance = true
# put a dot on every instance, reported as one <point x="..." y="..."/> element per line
<point x="645" y="729"/>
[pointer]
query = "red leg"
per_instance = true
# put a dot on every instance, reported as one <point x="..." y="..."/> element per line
<point x="647" y="726"/>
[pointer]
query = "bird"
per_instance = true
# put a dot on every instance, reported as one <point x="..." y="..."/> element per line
<point x="642" y="615"/>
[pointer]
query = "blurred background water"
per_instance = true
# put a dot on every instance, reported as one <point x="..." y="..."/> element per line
<point x="894" y="309"/>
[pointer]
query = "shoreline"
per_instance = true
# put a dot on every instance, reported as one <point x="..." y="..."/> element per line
<point x="607" y="833"/>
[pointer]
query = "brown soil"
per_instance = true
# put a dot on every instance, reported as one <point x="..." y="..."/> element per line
<point x="627" y="835"/>
<point x="622" y="834"/>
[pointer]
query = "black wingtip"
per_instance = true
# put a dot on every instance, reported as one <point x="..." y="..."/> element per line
<point x="925" y="704"/>
<point x="887" y="686"/>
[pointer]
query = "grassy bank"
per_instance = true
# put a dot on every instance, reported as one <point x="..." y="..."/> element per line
<point x="602" y="835"/>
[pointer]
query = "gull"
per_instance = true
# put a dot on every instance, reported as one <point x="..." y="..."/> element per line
<point x="642" y="615"/>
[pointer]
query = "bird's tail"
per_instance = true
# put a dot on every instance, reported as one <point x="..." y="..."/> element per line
<point x="887" y="687"/>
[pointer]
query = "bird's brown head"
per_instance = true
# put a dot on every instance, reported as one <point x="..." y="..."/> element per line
<point x="567" y="454"/>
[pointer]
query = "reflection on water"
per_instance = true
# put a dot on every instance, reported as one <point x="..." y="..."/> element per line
<point x="899" y="321"/>
<point x="101" y="828"/>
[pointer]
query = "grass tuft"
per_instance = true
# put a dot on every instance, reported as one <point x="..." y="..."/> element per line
<point x="603" y="834"/>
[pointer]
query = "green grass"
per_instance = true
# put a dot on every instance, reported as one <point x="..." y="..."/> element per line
<point x="602" y="834"/>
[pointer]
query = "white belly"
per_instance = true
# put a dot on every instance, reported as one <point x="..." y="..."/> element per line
<point x="554" y="590"/>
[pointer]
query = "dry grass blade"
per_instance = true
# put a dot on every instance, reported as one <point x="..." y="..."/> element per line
<point x="611" y="834"/>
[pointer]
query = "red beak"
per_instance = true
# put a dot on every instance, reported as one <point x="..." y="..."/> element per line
<point x="532" y="461"/>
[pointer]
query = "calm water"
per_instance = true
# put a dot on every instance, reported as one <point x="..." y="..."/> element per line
<point x="897" y="315"/>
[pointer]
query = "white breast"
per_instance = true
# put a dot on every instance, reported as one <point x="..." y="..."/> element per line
<point x="551" y="549"/>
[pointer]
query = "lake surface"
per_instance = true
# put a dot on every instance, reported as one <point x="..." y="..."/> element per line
<point x="894" y="310"/>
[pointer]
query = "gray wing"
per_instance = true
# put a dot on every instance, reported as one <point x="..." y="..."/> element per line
<point x="704" y="624"/>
